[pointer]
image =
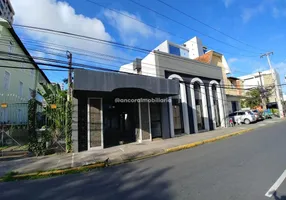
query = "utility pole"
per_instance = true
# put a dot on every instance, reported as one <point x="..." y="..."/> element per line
<point x="262" y="92"/>
<point x="278" y="98"/>
<point x="69" y="94"/>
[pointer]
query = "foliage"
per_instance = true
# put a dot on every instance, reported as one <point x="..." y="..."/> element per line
<point x="253" y="98"/>
<point x="68" y="131"/>
<point x="53" y="95"/>
<point x="32" y="106"/>
<point x="9" y="176"/>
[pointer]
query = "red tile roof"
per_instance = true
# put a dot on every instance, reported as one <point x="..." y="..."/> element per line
<point x="206" y="58"/>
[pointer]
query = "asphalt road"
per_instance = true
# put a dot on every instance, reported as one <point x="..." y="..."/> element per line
<point x="239" y="168"/>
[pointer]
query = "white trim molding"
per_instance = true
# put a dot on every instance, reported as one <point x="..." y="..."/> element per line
<point x="220" y="103"/>
<point x="204" y="104"/>
<point x="183" y="96"/>
<point x="140" y="123"/>
<point x="149" y="116"/>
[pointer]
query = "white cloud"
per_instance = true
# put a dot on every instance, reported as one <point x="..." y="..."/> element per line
<point x="276" y="12"/>
<point x="60" y="15"/>
<point x="227" y="3"/>
<point x="131" y="31"/>
<point x="232" y="60"/>
<point x="248" y="13"/>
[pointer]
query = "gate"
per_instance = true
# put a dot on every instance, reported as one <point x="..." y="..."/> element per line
<point x="50" y="121"/>
<point x="13" y="124"/>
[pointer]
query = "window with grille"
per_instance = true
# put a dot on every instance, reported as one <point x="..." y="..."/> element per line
<point x="6" y="80"/>
<point x="21" y="85"/>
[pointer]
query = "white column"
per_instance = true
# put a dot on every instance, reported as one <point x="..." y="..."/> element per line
<point x="149" y="116"/>
<point x="194" y="108"/>
<point x="212" y="106"/>
<point x="205" y="108"/>
<point x="220" y="105"/>
<point x="171" y="119"/>
<point x="140" y="123"/>
<point x="185" y="108"/>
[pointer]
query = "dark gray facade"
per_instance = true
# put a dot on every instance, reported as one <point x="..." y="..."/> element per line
<point x="100" y="122"/>
<point x="189" y="72"/>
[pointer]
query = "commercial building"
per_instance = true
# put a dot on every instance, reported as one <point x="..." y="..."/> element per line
<point x="18" y="79"/>
<point x="6" y="10"/>
<point x="117" y="108"/>
<point x="199" y="107"/>
<point x="188" y="93"/>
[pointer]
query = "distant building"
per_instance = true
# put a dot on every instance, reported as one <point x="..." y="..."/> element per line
<point x="253" y="80"/>
<point x="6" y="11"/>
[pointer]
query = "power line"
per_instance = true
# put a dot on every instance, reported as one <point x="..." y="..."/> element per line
<point x="78" y="64"/>
<point x="197" y="20"/>
<point x="47" y="69"/>
<point x="152" y="10"/>
<point x="154" y="27"/>
<point x="63" y="62"/>
<point x="88" y="67"/>
<point x="110" y="70"/>
<point x="149" y="51"/>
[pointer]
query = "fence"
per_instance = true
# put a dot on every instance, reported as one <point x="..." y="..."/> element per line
<point x="50" y="119"/>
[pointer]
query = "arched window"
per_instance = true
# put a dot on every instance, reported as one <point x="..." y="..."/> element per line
<point x="216" y="105"/>
<point x="178" y="110"/>
<point x="199" y="106"/>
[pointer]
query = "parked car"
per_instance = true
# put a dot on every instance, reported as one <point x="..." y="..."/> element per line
<point x="244" y="116"/>
<point x="258" y="115"/>
<point x="267" y="114"/>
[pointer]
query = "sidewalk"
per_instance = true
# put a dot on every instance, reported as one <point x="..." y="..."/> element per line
<point x="118" y="153"/>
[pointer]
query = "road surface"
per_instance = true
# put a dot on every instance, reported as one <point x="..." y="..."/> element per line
<point x="243" y="167"/>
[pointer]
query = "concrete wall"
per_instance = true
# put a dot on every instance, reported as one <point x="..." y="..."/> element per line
<point x="168" y="62"/>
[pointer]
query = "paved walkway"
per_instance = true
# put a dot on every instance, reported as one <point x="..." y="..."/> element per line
<point x="116" y="154"/>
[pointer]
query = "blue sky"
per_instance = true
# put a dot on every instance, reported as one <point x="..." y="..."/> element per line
<point x="260" y="23"/>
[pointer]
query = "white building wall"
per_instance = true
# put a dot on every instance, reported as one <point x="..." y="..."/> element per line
<point x="149" y="65"/>
<point x="163" y="47"/>
<point x="195" y="47"/>
<point x="127" y="68"/>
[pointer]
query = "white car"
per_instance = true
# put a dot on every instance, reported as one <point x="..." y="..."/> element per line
<point x="244" y="116"/>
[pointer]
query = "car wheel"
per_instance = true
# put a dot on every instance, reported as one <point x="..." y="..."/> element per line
<point x="247" y="121"/>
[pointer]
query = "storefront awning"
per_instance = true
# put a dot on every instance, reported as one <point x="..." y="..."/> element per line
<point x="98" y="81"/>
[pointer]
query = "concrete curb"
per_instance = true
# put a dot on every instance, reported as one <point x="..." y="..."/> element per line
<point x="194" y="144"/>
<point x="98" y="165"/>
<point x="50" y="173"/>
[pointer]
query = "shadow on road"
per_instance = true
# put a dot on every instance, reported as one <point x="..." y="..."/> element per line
<point x="278" y="198"/>
<point x="120" y="182"/>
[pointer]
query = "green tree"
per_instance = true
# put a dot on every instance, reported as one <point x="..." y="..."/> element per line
<point x="55" y="110"/>
<point x="253" y="98"/>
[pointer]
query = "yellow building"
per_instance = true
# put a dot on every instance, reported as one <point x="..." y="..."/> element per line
<point x="232" y="86"/>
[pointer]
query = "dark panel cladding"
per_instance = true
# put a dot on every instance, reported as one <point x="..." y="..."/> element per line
<point x="82" y="124"/>
<point x="95" y="122"/>
<point x="88" y="80"/>
<point x="145" y="121"/>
